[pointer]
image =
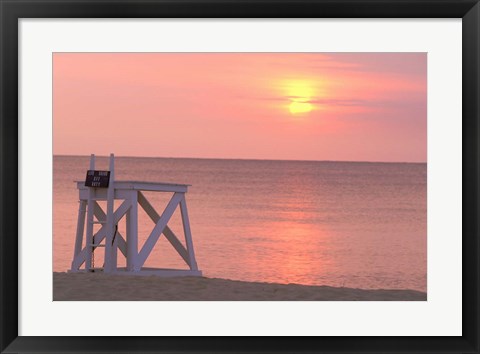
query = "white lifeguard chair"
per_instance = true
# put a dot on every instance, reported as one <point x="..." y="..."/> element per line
<point x="101" y="186"/>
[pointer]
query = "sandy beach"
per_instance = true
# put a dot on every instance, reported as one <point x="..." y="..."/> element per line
<point x="101" y="287"/>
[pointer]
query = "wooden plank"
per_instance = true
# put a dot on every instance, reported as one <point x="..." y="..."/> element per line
<point x="101" y="194"/>
<point x="122" y="244"/>
<point x="188" y="234"/>
<point x="82" y="208"/>
<point x="89" y="231"/>
<point x="169" y="235"/>
<point x="79" y="259"/>
<point x="149" y="209"/>
<point x="158" y="229"/>
<point x="110" y="246"/>
<point x="130" y="183"/>
<point x="132" y="233"/>
<point x="138" y="185"/>
<point x="175" y="242"/>
<point x="160" y="187"/>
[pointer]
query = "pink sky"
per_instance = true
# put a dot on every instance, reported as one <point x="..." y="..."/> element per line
<point x="346" y="106"/>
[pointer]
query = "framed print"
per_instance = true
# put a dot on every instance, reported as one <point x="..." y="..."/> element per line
<point x="239" y="176"/>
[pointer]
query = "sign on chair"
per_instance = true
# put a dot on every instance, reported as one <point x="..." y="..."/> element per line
<point x="97" y="179"/>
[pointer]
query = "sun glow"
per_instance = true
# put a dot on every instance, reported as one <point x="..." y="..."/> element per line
<point x="299" y="107"/>
<point x="300" y="94"/>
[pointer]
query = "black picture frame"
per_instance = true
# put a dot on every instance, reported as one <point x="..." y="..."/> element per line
<point x="12" y="10"/>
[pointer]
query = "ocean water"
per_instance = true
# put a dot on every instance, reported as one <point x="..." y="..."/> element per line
<point x="349" y="224"/>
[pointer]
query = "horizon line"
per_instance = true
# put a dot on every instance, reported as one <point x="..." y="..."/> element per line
<point x="245" y="159"/>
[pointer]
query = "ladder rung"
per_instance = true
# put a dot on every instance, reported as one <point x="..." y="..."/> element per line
<point x="98" y="222"/>
<point x="96" y="245"/>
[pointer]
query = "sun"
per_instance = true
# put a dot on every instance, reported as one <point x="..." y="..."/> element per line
<point x="300" y="94"/>
<point x="300" y="107"/>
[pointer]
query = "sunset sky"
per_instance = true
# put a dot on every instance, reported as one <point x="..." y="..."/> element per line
<point x="292" y="106"/>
